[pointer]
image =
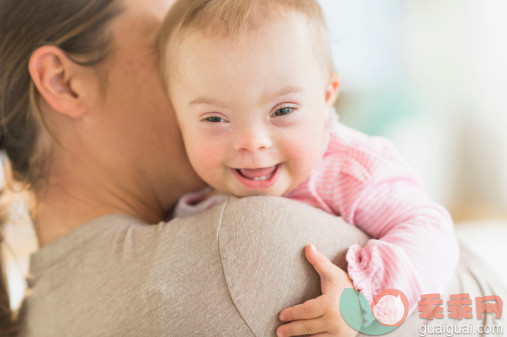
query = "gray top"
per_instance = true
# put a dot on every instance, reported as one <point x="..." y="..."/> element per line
<point x="226" y="272"/>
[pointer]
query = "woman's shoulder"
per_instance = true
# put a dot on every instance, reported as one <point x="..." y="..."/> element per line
<point x="121" y="239"/>
<point x="124" y="276"/>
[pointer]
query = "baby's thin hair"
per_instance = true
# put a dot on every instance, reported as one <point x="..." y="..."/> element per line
<point x="223" y="18"/>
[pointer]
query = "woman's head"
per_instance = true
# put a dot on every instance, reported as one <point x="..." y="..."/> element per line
<point x="78" y="28"/>
<point x="80" y="95"/>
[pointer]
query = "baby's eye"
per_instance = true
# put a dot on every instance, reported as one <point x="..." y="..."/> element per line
<point x="283" y="111"/>
<point x="215" y="120"/>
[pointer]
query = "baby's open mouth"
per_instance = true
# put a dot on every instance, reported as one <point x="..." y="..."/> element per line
<point x="258" y="174"/>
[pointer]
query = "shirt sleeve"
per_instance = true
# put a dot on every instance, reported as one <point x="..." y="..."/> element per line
<point x="415" y="248"/>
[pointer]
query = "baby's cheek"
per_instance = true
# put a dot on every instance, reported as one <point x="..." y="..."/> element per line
<point x="206" y="159"/>
<point x="305" y="146"/>
<point x="302" y="155"/>
<point x="297" y="150"/>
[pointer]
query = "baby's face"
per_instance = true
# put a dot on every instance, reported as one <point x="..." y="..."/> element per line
<point x="252" y="108"/>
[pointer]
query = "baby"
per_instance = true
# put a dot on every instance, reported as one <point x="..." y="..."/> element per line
<point x="252" y="83"/>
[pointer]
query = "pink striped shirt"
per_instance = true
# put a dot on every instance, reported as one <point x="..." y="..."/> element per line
<point x="364" y="180"/>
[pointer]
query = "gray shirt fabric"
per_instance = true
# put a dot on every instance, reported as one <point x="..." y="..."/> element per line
<point x="225" y="272"/>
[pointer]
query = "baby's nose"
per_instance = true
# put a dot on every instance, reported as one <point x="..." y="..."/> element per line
<point x="252" y="140"/>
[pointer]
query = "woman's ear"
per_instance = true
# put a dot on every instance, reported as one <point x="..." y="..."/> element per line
<point x="58" y="80"/>
<point x="332" y="87"/>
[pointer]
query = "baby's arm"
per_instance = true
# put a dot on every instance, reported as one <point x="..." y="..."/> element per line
<point x="415" y="249"/>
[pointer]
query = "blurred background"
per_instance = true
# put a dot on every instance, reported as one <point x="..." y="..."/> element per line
<point x="431" y="75"/>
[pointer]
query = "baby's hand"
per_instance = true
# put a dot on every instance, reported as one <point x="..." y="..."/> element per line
<point x="319" y="316"/>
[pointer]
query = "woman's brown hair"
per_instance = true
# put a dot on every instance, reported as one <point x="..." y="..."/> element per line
<point x="78" y="28"/>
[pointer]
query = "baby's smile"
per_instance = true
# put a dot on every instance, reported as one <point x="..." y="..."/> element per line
<point x="262" y="173"/>
<point x="258" y="178"/>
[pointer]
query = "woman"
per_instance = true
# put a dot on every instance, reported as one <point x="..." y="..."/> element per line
<point x="103" y="139"/>
<point x="89" y="131"/>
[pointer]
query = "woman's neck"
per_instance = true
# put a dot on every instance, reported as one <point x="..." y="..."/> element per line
<point x="64" y="205"/>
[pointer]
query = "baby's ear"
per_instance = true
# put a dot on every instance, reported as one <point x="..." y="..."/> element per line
<point x="332" y="87"/>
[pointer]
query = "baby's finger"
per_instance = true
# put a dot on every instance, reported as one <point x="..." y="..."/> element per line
<point x="322" y="265"/>
<point x="300" y="328"/>
<point x="310" y="309"/>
